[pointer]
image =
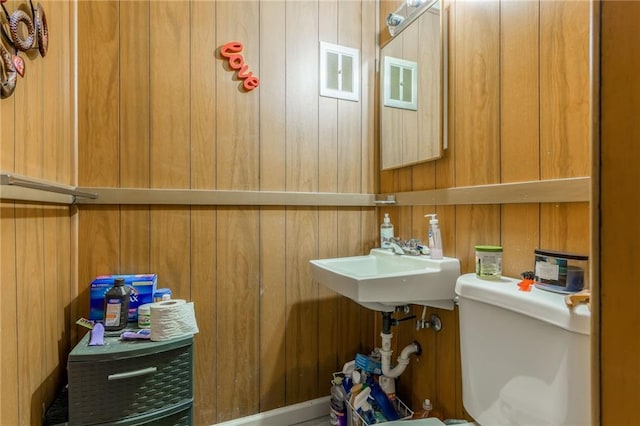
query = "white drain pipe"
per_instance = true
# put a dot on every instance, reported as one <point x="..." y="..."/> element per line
<point x="403" y="359"/>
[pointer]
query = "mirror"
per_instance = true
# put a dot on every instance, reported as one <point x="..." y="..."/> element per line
<point x="412" y="81"/>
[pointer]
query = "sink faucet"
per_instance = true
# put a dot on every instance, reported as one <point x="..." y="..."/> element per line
<point x="411" y="247"/>
<point x="396" y="247"/>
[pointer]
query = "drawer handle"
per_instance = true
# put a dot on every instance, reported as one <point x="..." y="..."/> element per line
<point x="134" y="373"/>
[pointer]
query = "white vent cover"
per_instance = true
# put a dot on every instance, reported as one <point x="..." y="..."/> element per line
<point x="339" y="72"/>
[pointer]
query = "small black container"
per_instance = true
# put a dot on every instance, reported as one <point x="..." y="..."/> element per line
<point x="116" y="306"/>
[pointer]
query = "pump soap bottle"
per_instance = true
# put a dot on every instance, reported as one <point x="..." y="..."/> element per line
<point x="435" y="237"/>
<point x="116" y="306"/>
<point x="386" y="232"/>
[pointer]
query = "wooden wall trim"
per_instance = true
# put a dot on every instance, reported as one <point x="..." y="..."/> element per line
<point x="229" y="198"/>
<point x="540" y="191"/>
<point x="545" y="191"/>
<point x="18" y="187"/>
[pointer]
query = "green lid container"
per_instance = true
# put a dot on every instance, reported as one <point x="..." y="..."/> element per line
<point x="489" y="248"/>
<point x="489" y="262"/>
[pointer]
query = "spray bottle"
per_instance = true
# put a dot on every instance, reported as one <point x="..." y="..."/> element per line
<point x="435" y="237"/>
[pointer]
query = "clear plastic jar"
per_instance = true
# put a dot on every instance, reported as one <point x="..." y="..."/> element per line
<point x="489" y="262"/>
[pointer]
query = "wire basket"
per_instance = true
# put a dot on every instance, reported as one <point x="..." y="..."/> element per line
<point x="354" y="419"/>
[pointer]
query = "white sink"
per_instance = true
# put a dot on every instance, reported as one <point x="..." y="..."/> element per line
<point x="383" y="280"/>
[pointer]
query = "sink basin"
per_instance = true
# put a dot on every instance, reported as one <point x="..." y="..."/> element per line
<point x="383" y="280"/>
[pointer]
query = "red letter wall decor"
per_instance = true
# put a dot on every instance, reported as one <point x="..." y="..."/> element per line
<point x="231" y="51"/>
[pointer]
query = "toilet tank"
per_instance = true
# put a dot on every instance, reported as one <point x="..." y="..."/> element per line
<point x="525" y="355"/>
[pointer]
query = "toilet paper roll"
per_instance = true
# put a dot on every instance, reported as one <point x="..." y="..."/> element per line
<point x="172" y="318"/>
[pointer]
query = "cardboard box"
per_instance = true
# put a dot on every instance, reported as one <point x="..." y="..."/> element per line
<point x="142" y="286"/>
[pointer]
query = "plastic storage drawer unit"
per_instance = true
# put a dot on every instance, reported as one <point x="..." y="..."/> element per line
<point x="131" y="382"/>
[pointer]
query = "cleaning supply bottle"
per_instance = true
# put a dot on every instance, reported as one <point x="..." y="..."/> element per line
<point x="383" y="402"/>
<point x="116" y="306"/>
<point x="386" y="232"/>
<point x="435" y="237"/>
<point x="427" y="407"/>
<point x="338" y="404"/>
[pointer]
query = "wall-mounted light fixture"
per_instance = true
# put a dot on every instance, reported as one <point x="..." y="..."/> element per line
<point x="405" y="13"/>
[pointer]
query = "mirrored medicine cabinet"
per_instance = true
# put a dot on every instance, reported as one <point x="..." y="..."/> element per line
<point x="412" y="87"/>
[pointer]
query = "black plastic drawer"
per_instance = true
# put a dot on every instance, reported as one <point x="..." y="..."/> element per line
<point x="116" y="390"/>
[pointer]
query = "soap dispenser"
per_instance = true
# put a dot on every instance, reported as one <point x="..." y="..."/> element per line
<point x="435" y="237"/>
<point x="386" y="232"/>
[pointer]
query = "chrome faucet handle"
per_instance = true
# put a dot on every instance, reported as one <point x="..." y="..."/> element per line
<point x="397" y="249"/>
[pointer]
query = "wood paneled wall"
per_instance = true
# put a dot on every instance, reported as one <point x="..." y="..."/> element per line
<point x="158" y="108"/>
<point x="619" y="351"/>
<point x="519" y="111"/>
<point x="36" y="254"/>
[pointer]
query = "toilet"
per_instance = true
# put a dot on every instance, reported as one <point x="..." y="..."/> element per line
<point x="525" y="356"/>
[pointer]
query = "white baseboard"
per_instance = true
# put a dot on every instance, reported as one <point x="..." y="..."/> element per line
<point x="285" y="416"/>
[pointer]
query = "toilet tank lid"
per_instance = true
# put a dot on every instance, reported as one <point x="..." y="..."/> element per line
<point x="540" y="304"/>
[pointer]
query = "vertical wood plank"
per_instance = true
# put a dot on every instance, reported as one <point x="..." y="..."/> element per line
<point x="237" y="127"/>
<point x="328" y="302"/>
<point x="424" y="176"/>
<point x="134" y="104"/>
<point x="273" y="312"/>
<point x="98" y="247"/>
<point x="29" y="102"/>
<point x="369" y="338"/>
<point x="170" y="242"/>
<point x="392" y="121"/>
<point x="204" y="68"/>
<point x="56" y="127"/>
<point x="9" y="373"/>
<point x="204" y="294"/>
<point x="349" y="244"/>
<point x="520" y="91"/>
<point x="169" y="92"/>
<point x="429" y="114"/>
<point x="134" y="247"/>
<point x="55" y="117"/>
<point x="369" y="99"/>
<point x="447" y="382"/>
<point x="477" y="93"/>
<point x="302" y="305"/>
<point x="520" y="233"/>
<point x="301" y="96"/>
<point x="328" y="114"/>
<point x="349" y="113"/>
<point x="98" y="93"/>
<point x="328" y="172"/>
<point x="564" y="89"/>
<point x="51" y="364"/>
<point x="66" y="283"/>
<point x="134" y="149"/>
<point x="237" y="370"/>
<point x="203" y="250"/>
<point x="564" y="227"/>
<point x="273" y="124"/>
<point x="410" y="138"/>
<point x="476" y="224"/>
<point x="30" y="275"/>
<point x="445" y="166"/>
<point x="67" y="150"/>
<point x="449" y="229"/>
